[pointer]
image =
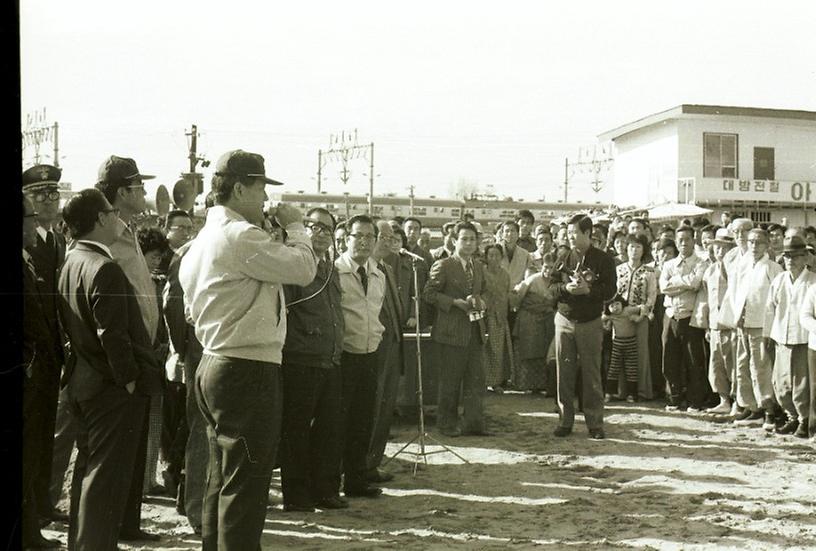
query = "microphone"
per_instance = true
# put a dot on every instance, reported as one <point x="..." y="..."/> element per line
<point x="405" y="252"/>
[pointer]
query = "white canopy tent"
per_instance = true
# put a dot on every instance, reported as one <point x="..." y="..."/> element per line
<point x="671" y="211"/>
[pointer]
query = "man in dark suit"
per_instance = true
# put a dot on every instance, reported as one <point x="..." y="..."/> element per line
<point x="448" y="242"/>
<point x="47" y="253"/>
<point x="105" y="374"/>
<point x="389" y="355"/>
<point x="454" y="287"/>
<point x="38" y="359"/>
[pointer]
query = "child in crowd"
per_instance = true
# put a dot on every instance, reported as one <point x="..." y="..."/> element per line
<point x="621" y="317"/>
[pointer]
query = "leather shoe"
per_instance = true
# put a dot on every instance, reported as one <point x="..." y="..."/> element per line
<point x="377" y="476"/>
<point x="158" y="490"/>
<point x="453" y="433"/>
<point x="802" y="431"/>
<point x="789" y="427"/>
<point x="55" y="515"/>
<point x="562" y="431"/>
<point x="298" y="507"/>
<point x="139" y="535"/>
<point x="332" y="502"/>
<point x="597" y="434"/>
<point x="363" y="491"/>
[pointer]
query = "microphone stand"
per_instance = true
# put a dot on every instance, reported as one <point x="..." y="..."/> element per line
<point x="422" y="435"/>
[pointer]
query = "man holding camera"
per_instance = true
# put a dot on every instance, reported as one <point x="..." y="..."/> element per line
<point x="455" y="287"/>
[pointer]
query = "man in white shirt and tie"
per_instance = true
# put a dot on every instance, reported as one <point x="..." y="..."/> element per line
<point x="363" y="287"/>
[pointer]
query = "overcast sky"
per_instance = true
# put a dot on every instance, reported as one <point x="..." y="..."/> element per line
<point x="497" y="94"/>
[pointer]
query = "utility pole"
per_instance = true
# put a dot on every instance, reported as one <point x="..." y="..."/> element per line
<point x="56" y="144"/>
<point x="194" y="158"/>
<point x="411" y="199"/>
<point x="371" y="183"/>
<point x="193" y="134"/>
<point x="566" y="177"/>
<point x="319" y="168"/>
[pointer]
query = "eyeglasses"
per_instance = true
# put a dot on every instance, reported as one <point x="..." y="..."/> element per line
<point x="363" y="236"/>
<point x="43" y="196"/>
<point x="111" y="210"/>
<point x="316" y="227"/>
<point x="31" y="215"/>
<point x="187" y="229"/>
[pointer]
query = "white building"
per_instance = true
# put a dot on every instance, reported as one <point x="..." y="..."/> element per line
<point x="758" y="163"/>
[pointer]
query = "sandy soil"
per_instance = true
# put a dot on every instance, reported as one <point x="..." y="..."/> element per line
<point x="659" y="481"/>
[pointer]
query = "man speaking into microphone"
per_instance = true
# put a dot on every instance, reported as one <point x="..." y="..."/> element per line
<point x="455" y="287"/>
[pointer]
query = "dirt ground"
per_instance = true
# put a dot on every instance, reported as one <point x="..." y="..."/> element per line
<point x="659" y="481"/>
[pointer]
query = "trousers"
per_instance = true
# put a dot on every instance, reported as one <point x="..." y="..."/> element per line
<point x="311" y="433"/>
<point x="359" y="392"/>
<point x="108" y="426"/>
<point x="461" y="374"/>
<point x="196" y="449"/>
<point x="578" y="350"/>
<point x="241" y="402"/>
<point x="754" y="370"/>
<point x="389" y="362"/>
<point x="684" y="364"/>
<point x="790" y="380"/>
<point x="722" y="363"/>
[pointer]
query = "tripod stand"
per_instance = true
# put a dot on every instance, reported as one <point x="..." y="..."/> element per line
<point x="422" y="436"/>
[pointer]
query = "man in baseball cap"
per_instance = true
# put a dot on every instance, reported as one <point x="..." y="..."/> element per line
<point x="122" y="184"/>
<point x="244" y="165"/>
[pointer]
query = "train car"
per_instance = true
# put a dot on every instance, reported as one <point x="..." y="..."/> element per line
<point x="431" y="211"/>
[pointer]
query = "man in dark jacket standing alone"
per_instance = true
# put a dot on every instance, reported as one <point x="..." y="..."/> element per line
<point x="584" y="281"/>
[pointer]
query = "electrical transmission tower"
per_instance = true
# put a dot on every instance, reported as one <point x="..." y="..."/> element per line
<point x="591" y="161"/>
<point x="37" y="131"/>
<point x="343" y="148"/>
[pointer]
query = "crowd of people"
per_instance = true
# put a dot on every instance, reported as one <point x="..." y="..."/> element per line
<point x="274" y="338"/>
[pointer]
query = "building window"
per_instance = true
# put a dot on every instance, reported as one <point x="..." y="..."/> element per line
<point x="764" y="163"/>
<point x="720" y="155"/>
<point x="760" y="216"/>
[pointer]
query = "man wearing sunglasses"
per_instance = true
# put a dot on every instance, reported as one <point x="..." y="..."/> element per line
<point x="46" y="251"/>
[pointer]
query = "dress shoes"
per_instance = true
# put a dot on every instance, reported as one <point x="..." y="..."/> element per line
<point x="55" y="515"/>
<point x="363" y="491"/>
<point x="376" y="476"/>
<point x="789" y="427"/>
<point x="298" y="507"/>
<point x="597" y="434"/>
<point x="453" y="433"/>
<point x="139" y="535"/>
<point x="158" y="490"/>
<point x="562" y="431"/>
<point x="332" y="502"/>
<point x="802" y="431"/>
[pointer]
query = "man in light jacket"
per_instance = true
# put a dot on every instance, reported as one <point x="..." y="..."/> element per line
<point x="790" y="374"/>
<point x="751" y="286"/>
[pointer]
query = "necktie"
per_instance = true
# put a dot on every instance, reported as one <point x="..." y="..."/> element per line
<point x="50" y="245"/>
<point x="363" y="278"/>
<point x="469" y="275"/>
